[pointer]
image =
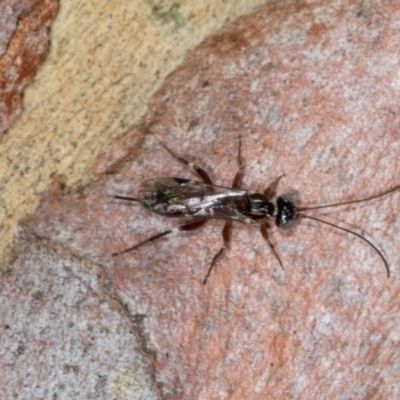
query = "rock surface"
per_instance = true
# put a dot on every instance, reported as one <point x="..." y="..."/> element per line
<point x="312" y="90"/>
<point x="24" y="43"/>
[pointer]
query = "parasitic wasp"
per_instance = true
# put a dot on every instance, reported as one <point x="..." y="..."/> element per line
<point x="202" y="201"/>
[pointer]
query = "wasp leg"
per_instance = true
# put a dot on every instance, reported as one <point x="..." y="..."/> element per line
<point x="226" y="231"/>
<point x="226" y="236"/>
<point x="237" y="181"/>
<point x="264" y="231"/>
<point x="200" y="171"/>
<point x="270" y="191"/>
<point x="183" y="228"/>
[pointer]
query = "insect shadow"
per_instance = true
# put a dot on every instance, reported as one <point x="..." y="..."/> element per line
<point x="202" y="201"/>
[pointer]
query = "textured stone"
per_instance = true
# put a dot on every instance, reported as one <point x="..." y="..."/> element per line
<point x="24" y="42"/>
<point x="312" y="89"/>
<point x="62" y="335"/>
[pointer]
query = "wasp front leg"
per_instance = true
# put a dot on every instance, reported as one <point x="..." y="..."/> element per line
<point x="237" y="181"/>
<point x="270" y="191"/>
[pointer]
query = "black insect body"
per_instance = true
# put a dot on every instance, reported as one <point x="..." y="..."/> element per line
<point x="201" y="201"/>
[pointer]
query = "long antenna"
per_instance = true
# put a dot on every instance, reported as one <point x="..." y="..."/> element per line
<point x="375" y="196"/>
<point x="354" y="233"/>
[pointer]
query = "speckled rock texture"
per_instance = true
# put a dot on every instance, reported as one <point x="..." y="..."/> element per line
<point x="24" y="42"/>
<point x="75" y="341"/>
<point x="313" y="90"/>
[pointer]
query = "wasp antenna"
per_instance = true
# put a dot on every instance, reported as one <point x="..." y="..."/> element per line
<point x="113" y="196"/>
<point x="375" y="196"/>
<point x="353" y="233"/>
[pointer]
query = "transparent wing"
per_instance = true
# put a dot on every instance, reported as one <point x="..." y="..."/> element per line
<point x="177" y="197"/>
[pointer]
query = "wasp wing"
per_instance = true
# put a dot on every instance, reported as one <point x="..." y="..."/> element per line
<point x="177" y="197"/>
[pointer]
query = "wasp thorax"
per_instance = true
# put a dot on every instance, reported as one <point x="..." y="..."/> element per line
<point x="260" y="207"/>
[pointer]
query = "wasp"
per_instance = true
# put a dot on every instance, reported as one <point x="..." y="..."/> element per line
<point x="200" y="201"/>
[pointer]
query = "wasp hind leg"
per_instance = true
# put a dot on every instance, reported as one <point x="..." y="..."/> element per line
<point x="191" y="226"/>
<point x="200" y="171"/>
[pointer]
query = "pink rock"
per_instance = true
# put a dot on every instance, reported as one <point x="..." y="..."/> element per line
<point x="313" y="91"/>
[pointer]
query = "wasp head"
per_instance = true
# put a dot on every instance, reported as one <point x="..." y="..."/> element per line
<point x="286" y="212"/>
